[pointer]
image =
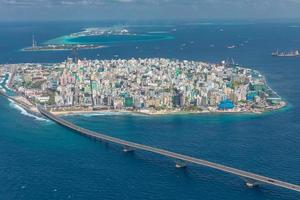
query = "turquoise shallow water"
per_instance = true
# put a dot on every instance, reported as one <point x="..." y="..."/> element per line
<point x="41" y="160"/>
<point x="110" y="39"/>
<point x="3" y="86"/>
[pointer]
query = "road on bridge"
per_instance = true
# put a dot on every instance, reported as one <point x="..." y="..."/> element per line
<point x="250" y="178"/>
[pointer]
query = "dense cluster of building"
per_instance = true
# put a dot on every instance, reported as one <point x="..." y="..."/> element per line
<point x="145" y="84"/>
<point x="101" y="31"/>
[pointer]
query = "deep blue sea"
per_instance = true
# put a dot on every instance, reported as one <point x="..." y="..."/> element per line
<point x="42" y="160"/>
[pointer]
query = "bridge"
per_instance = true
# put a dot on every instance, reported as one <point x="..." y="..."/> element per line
<point x="250" y="178"/>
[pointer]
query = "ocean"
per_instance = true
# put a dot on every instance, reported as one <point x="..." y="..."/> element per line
<point x="42" y="160"/>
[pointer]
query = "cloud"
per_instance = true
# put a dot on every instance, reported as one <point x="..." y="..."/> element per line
<point x="61" y="2"/>
<point x="139" y="9"/>
<point x="143" y="2"/>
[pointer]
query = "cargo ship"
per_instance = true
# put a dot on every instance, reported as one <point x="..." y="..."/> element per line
<point x="286" y="54"/>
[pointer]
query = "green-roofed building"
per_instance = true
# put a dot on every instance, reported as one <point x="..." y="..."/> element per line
<point x="101" y="69"/>
<point x="128" y="102"/>
<point x="258" y="87"/>
<point x="87" y="89"/>
<point x="94" y="85"/>
<point x="177" y="72"/>
<point x="117" y="85"/>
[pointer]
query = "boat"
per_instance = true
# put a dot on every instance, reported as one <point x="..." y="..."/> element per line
<point x="231" y="47"/>
<point x="286" y="54"/>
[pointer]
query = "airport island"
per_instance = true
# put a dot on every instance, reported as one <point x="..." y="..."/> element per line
<point x="70" y="43"/>
<point x="146" y="86"/>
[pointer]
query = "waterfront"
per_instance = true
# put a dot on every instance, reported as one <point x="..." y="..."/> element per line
<point x="41" y="160"/>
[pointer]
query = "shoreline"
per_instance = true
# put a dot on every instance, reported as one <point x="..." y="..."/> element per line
<point x="24" y="103"/>
<point x="86" y="109"/>
<point x="61" y="47"/>
<point x="65" y="39"/>
<point x="162" y="113"/>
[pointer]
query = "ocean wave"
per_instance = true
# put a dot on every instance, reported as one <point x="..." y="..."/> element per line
<point x="3" y="89"/>
<point x="158" y="32"/>
<point x="95" y="114"/>
<point x="200" y="24"/>
<point x="112" y="113"/>
<point x="24" y="112"/>
<point x="98" y="114"/>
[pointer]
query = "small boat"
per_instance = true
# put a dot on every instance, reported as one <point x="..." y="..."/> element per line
<point x="231" y="47"/>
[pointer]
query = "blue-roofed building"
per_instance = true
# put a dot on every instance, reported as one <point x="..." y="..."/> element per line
<point x="251" y="95"/>
<point x="226" y="104"/>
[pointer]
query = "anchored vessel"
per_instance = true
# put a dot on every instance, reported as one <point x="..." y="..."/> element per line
<point x="286" y="54"/>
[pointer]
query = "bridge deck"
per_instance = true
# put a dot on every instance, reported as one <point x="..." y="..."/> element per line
<point x="189" y="159"/>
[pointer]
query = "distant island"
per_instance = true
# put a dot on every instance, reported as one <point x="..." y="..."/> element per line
<point x="60" y="47"/>
<point x="94" y="38"/>
<point x="59" y="44"/>
<point x="146" y="86"/>
<point x="96" y="31"/>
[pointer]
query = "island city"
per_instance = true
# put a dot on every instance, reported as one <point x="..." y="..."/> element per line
<point x="146" y="86"/>
<point x="149" y="100"/>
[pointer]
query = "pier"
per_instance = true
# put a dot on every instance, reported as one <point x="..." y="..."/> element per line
<point x="251" y="179"/>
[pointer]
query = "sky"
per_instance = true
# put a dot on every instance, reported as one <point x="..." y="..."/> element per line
<point x="14" y="10"/>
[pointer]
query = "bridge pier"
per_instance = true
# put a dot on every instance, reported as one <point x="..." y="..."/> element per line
<point x="180" y="164"/>
<point x="250" y="183"/>
<point x="128" y="149"/>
